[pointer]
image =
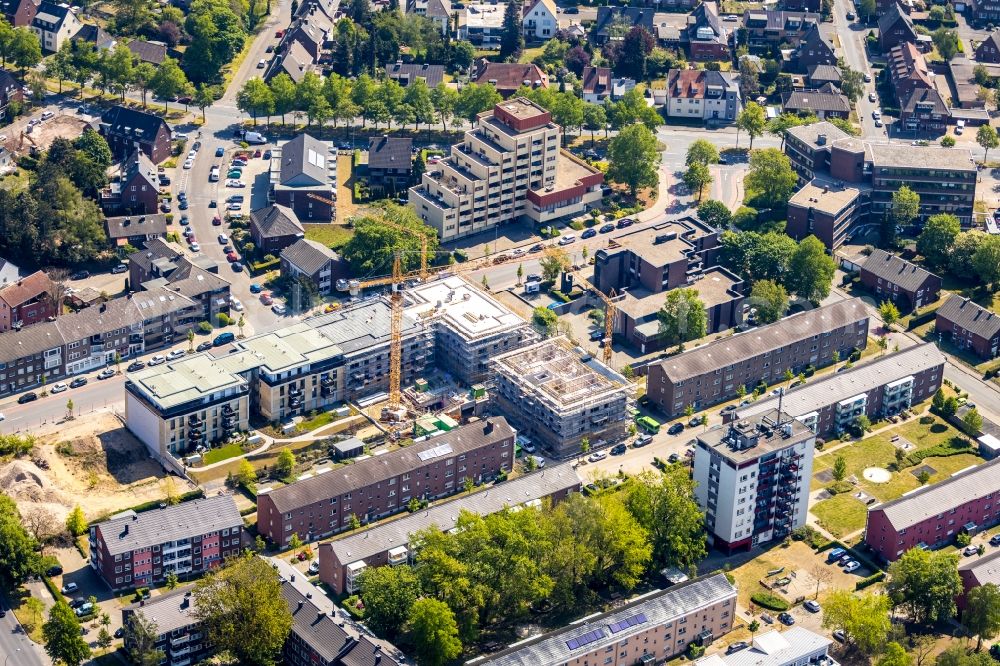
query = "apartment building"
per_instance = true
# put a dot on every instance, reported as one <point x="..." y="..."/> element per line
<point x="135" y="190"/>
<point x="883" y="387"/>
<point x="127" y="129"/>
<point x="769" y="29"/>
<point x="470" y="326"/>
<point x="10" y="90"/>
<point x="706" y="36"/>
<point x="140" y="549"/>
<point x="134" y="230"/>
<point x="275" y="227"/>
<point x="827" y="209"/>
<point x="713" y="373"/>
<point x="895" y="27"/>
<point x="509" y="167"/>
<point x="892" y="278"/>
<point x="813" y="49"/>
<point x="179" y="634"/>
<point x="379" y="486"/>
<point x="540" y="20"/>
<point x="557" y="397"/>
<point x="19" y="13"/>
<point x="976" y="572"/>
<point x="967" y="325"/>
<point x="29" y="300"/>
<point x="702" y="94"/>
<point x="795" y="647"/>
<point x="301" y="167"/>
<point x="54" y="24"/>
<point x="932" y="516"/>
<point x="752" y="479"/>
<point x="649" y="629"/>
<point x="343" y="560"/>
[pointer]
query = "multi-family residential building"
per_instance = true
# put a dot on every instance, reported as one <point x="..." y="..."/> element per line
<point x="596" y="84"/>
<point x="195" y="278"/>
<point x="127" y="129"/>
<point x="984" y="12"/>
<point x="908" y="71"/>
<point x="509" y="167"/>
<point x="483" y="24"/>
<point x="891" y="278"/>
<point x="342" y="561"/>
<point x="379" y="486"/>
<point x="557" y="397"/>
<point x="925" y="110"/>
<point x="795" y="647"/>
<point x="135" y="191"/>
<point x="390" y="163"/>
<point x="768" y="29"/>
<point x="650" y="629"/>
<point x="702" y="94"/>
<point x="944" y="178"/>
<point x="134" y="230"/>
<point x="967" y="325"/>
<point x="976" y="572"/>
<point x="540" y="20"/>
<point x="407" y="73"/>
<point x="54" y="24"/>
<point x="438" y="11"/>
<point x="179" y="634"/>
<point x="30" y="300"/>
<point x="706" y="36"/>
<point x="752" y="479"/>
<point x="140" y="549"/>
<point x="883" y="387"/>
<point x="507" y="77"/>
<point x="19" y="13"/>
<point x="313" y="260"/>
<point x="895" y="27"/>
<point x="275" y="227"/>
<point x="614" y="22"/>
<point x="827" y="209"/>
<point x="935" y="515"/>
<point x="813" y="49"/>
<point x="715" y="371"/>
<point x="301" y="167"/>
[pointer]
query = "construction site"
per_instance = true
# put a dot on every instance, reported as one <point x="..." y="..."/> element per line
<point x="39" y="137"/>
<point x="557" y="394"/>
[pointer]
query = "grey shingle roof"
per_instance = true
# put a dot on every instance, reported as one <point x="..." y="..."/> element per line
<point x="29" y="340"/>
<point x="389" y="152"/>
<point x="152" y="52"/>
<point x="720" y="353"/>
<point x="158" y="248"/>
<point x="970" y="316"/>
<point x="131" y="122"/>
<point x="928" y="501"/>
<point x="136" y="225"/>
<point x="891" y="17"/>
<point x="984" y="570"/>
<point x="314" y="627"/>
<point x="824" y="73"/>
<point x="306" y="162"/>
<point x="170" y="611"/>
<point x="925" y="95"/>
<point x="859" y="379"/>
<point x="181" y="521"/>
<point x="658" y="608"/>
<point x="896" y="270"/>
<point x="276" y="221"/>
<point x="803" y="100"/>
<point x="407" y="73"/>
<point x="363" y="472"/>
<point x="385" y="536"/>
<point x="308" y="256"/>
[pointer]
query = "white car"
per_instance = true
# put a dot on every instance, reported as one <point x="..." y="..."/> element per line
<point x="58" y="388"/>
<point x="157" y="360"/>
<point x="188" y="163"/>
<point x="70" y="587"/>
<point x="223" y="239"/>
<point x="175" y="354"/>
<point x="566" y="240"/>
<point x="236" y="205"/>
<point x="2" y="417"/>
<point x="235" y="182"/>
<point x="876" y="114"/>
<point x="192" y="154"/>
<point x="314" y="567"/>
<point x="188" y="231"/>
<point x="853" y="565"/>
<point x="195" y="247"/>
<point x="3" y="137"/>
<point x="872" y="97"/>
<point x="235" y="304"/>
<point x="278" y="308"/>
<point x="597" y="456"/>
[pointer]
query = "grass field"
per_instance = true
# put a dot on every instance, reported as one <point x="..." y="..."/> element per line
<point x="222" y="453"/>
<point x="840" y="515"/>
<point x="331" y="235"/>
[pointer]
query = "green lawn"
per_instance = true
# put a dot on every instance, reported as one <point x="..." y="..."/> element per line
<point x="222" y="453"/>
<point x="840" y="515"/>
<point x="318" y="421"/>
<point x="331" y="235"/>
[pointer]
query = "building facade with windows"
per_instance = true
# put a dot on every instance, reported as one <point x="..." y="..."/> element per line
<point x="892" y="278"/>
<point x="968" y="325"/>
<point x="140" y="549"/>
<point x="179" y="634"/>
<point x="752" y="479"/>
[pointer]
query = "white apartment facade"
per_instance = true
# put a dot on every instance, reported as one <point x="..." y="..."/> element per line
<point x="508" y="167"/>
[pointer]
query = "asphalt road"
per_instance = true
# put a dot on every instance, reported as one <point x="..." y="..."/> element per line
<point x="15" y="646"/>
<point x="851" y="35"/>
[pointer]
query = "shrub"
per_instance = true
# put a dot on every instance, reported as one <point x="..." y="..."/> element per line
<point x="169" y="218"/>
<point x="876" y="577"/>
<point x="223" y="319"/>
<point x="952" y="448"/>
<point x="769" y="601"/>
<point x="461" y="255"/>
<point x="264" y="266"/>
<point x="840" y="487"/>
<point x="559" y="296"/>
<point x="205" y="327"/>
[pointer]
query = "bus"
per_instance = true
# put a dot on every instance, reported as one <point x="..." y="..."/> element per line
<point x="648" y="424"/>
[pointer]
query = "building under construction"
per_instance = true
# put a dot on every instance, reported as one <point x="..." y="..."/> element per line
<point x="557" y="395"/>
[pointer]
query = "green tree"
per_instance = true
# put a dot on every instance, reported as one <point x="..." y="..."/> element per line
<point x="938" y="237"/>
<point x="894" y="655"/>
<point x="511" y="35"/>
<point x="751" y="120"/>
<point x="972" y="422"/>
<point x="554" y="261"/>
<point x="385" y="229"/>
<point x="810" y="270"/>
<point x="986" y="261"/>
<point x="545" y="319"/>
<point x="283" y="94"/>
<point x="444" y="99"/>
<point x="388" y="593"/>
<point x="594" y="119"/>
<point x="25" y="50"/>
<point x="702" y="151"/>
<point x="142" y="78"/>
<point x="117" y="68"/>
<point x="937" y="402"/>
<point x="104" y="638"/>
<point x="171" y="580"/>
<point x="956" y="655"/>
<point x="947" y="43"/>
<point x="682" y="317"/>
<point x="76" y="524"/>
<point x="204" y="97"/>
<point x="432" y="625"/>
<point x="864" y="618"/>
<point x="949" y="407"/>
<point x="770" y="178"/>
<point x="255" y="98"/>
<point x="169" y="81"/>
<point x="770" y="299"/>
<point x="987" y="138"/>
<point x="18" y="556"/>
<point x="418" y="98"/>
<point x="246" y="592"/>
<point x="839" y="468"/>
<point x="63" y="640"/>
<point x="925" y="584"/>
<point x="697" y="177"/>
<point x="141" y="634"/>
<point x="634" y="158"/>
<point x="755" y="256"/>
<point x="960" y="263"/>
<point x="982" y="613"/>
<point x="473" y="99"/>
<point x="948" y="141"/>
<point x="665" y="506"/>
<point x="905" y="208"/>
<point x="714" y="213"/>
<point x="851" y="84"/>
<point x="889" y="313"/>
<point x="285" y="463"/>
<point x="246" y="475"/>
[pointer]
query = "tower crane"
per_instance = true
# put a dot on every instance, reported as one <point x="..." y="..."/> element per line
<point x="610" y="313"/>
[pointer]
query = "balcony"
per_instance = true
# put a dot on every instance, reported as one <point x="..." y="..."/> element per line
<point x="195" y="421"/>
<point x="180" y="640"/>
<point x="294" y="391"/>
<point x="398" y="555"/>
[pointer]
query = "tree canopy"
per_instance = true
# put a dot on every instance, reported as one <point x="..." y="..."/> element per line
<point x="388" y="594"/>
<point x="925" y="584"/>
<point x="770" y="299"/>
<point x="384" y="230"/>
<point x="770" y="179"/>
<point x="811" y="270"/>
<point x="938" y="237"/>
<point x="633" y="158"/>
<point x="63" y="640"/>
<point x="682" y="317"/>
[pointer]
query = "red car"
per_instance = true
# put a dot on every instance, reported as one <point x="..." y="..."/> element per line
<point x="265" y="298"/>
<point x="231" y="257"/>
<point x="216" y="221"/>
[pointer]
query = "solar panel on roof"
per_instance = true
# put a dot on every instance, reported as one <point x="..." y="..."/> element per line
<point x="572" y="644"/>
<point x="622" y="625"/>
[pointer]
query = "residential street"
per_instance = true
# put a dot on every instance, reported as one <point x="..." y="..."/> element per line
<point x="15" y="647"/>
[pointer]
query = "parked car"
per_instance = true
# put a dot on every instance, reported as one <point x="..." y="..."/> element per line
<point x="314" y="567"/>
<point x="872" y="97"/>
<point x="223" y="239"/>
<point x="157" y="360"/>
<point x="235" y="173"/>
<point x="255" y="288"/>
<point x="642" y="440"/>
<point x="618" y="449"/>
<point x="597" y="456"/>
<point x="967" y="551"/>
<point x="30" y="396"/>
<point x="69" y="588"/>
<point x="278" y="309"/>
<point x="852" y="566"/>
<point x="204" y="346"/>
<point x="135" y="366"/>
<point x="106" y="373"/>
<point x="767" y="617"/>
<point x="216" y="221"/>
<point x="119" y="268"/>
<point x="737" y="646"/>
<point x="54" y="570"/>
<point x="195" y="247"/>
<point x="596" y="335"/>
<point x="537" y="247"/>
<point x="182" y="205"/>
<point x="231" y="257"/>
<point x="58" y="387"/>
<point x="235" y="304"/>
<point x="607" y="228"/>
<point x="175" y="354"/>
<point x="811" y="606"/>
<point x="188" y="163"/>
<point x="995" y="540"/>
<point x="840" y="636"/>
<point x="675" y="429"/>
<point x="232" y="182"/>
<point x="786" y="619"/>
<point x="566" y="240"/>
<point x="624" y="222"/>
<point x="223" y="339"/>
<point x="78" y="382"/>
<point x="266" y="299"/>
<point x="588" y="233"/>
<point x="220" y="151"/>
<point x="80" y="275"/>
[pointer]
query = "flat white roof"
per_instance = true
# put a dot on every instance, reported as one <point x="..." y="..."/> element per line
<point x="467" y="310"/>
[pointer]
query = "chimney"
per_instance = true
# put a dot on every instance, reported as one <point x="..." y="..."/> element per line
<point x="488" y="428"/>
<point x="821" y="140"/>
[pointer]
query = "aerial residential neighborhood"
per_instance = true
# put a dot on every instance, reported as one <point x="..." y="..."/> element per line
<point x="507" y="332"/>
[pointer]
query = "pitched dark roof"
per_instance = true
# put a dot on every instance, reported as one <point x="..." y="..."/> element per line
<point x="824" y="73"/>
<point x="640" y="16"/>
<point x="152" y="52"/>
<point x="389" y="152"/>
<point x="308" y="256"/>
<point x="896" y="270"/>
<point x="51" y="12"/>
<point x="814" y="41"/>
<point x="811" y="100"/>
<point x="924" y="97"/>
<point x="778" y="19"/>
<point x="8" y="84"/>
<point x="510" y="75"/>
<point x="138" y="165"/>
<point x="136" y="225"/>
<point x="185" y="520"/>
<point x="314" y="627"/>
<point x="306" y="162"/>
<point x="156" y="249"/>
<point x="25" y="289"/>
<point x="707" y="15"/>
<point x="970" y="316"/>
<point x="275" y="221"/>
<point x="596" y="80"/>
<point x="438" y="9"/>
<point x="96" y="35"/>
<point x="407" y="73"/>
<point x="343" y="480"/>
<point x="138" y="125"/>
<point x="992" y="42"/>
<point x="894" y="15"/>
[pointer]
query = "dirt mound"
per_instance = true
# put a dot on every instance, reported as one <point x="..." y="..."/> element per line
<point x="25" y="482"/>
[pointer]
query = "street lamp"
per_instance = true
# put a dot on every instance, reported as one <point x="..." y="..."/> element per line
<point x="8" y="657"/>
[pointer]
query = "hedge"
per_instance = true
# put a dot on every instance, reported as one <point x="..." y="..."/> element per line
<point x="938" y="451"/>
<point x="261" y="266"/>
<point x="769" y="601"/>
<point x="559" y="296"/>
<point x="876" y="577"/>
<point x="53" y="590"/>
<point x="920" y="319"/>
